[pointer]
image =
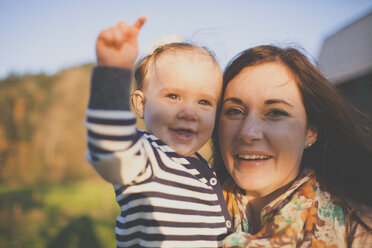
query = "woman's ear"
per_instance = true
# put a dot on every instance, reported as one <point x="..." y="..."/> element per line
<point x="138" y="99"/>
<point x="312" y="135"/>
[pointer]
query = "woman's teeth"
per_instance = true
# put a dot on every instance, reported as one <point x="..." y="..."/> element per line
<point x="253" y="157"/>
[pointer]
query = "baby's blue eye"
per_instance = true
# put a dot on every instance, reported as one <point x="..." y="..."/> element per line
<point x="204" y="102"/>
<point x="172" y="96"/>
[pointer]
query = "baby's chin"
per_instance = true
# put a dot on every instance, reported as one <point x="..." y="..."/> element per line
<point x="187" y="148"/>
<point x="186" y="152"/>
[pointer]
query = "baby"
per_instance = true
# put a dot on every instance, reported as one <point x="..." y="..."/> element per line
<point x="168" y="194"/>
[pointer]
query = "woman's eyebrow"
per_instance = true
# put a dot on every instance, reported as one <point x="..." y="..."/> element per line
<point x="273" y="101"/>
<point x="234" y="100"/>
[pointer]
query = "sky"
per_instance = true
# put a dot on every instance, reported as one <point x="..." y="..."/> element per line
<point x="50" y="35"/>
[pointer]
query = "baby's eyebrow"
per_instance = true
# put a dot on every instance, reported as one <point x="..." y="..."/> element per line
<point x="273" y="101"/>
<point x="208" y="96"/>
<point x="167" y="88"/>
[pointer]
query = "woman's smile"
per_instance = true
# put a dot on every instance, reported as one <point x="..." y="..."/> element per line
<point x="251" y="158"/>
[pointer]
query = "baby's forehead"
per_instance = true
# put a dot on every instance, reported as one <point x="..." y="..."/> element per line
<point x="195" y="56"/>
<point x="172" y="62"/>
<point x="186" y="53"/>
<point x="184" y="70"/>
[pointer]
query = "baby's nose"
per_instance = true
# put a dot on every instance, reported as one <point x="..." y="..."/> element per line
<point x="188" y="113"/>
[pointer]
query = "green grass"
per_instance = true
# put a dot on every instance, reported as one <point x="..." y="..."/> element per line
<point x="64" y="215"/>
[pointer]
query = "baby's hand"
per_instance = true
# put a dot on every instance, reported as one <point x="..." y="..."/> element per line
<point x="117" y="46"/>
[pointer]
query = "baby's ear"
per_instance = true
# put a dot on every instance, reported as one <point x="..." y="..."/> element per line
<point x="138" y="99"/>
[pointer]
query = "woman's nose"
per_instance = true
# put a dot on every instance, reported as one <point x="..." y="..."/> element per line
<point x="251" y="129"/>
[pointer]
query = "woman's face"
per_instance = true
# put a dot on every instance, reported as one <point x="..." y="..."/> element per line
<point x="263" y="128"/>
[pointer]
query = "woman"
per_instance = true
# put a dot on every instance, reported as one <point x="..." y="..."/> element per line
<point x="294" y="164"/>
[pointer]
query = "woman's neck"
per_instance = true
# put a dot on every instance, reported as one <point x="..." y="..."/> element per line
<point x="256" y="205"/>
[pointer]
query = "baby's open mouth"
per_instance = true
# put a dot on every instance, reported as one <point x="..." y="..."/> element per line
<point x="183" y="132"/>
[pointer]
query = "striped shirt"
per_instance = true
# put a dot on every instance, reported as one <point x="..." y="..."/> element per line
<point x="166" y="200"/>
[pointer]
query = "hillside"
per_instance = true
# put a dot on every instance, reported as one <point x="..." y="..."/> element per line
<point x="42" y="137"/>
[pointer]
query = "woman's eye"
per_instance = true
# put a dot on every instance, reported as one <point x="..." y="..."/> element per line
<point x="233" y="112"/>
<point x="204" y="102"/>
<point x="172" y="96"/>
<point x="277" y="113"/>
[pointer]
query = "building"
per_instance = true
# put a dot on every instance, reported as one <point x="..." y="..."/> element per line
<point x="346" y="60"/>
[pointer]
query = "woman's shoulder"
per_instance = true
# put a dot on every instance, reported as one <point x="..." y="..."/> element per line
<point x="363" y="228"/>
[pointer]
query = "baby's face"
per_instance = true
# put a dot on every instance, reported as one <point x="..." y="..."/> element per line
<point x="181" y="99"/>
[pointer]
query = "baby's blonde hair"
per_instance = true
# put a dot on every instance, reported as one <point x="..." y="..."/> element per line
<point x="148" y="62"/>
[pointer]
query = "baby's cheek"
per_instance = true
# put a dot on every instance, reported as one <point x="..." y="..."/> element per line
<point x="208" y="121"/>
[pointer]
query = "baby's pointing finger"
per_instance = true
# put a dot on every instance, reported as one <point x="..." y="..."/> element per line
<point x="139" y="23"/>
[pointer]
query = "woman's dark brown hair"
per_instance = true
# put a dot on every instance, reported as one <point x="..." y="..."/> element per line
<point x="340" y="157"/>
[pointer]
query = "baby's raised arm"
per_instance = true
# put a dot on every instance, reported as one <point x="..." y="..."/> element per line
<point x="114" y="148"/>
<point x="117" y="46"/>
